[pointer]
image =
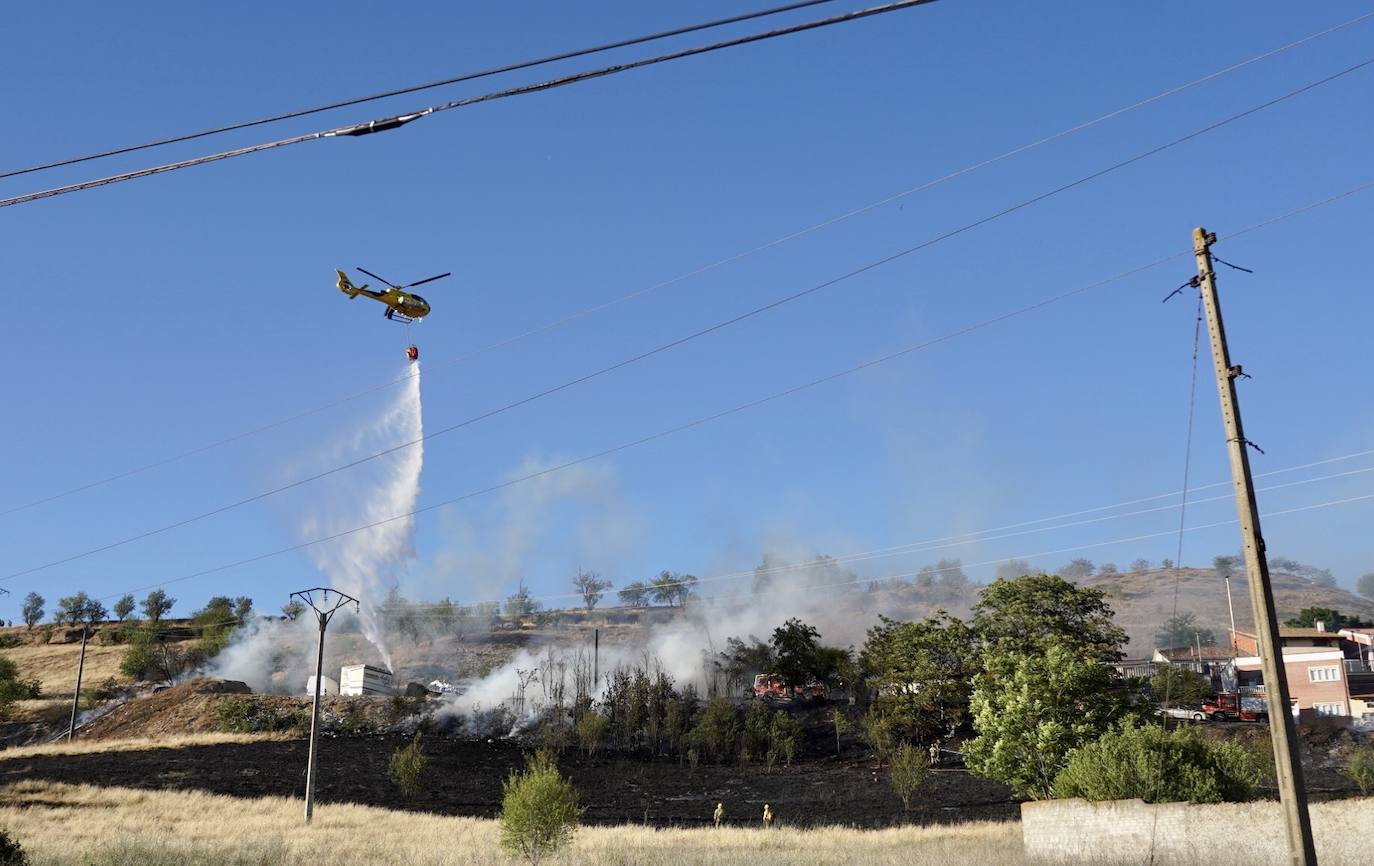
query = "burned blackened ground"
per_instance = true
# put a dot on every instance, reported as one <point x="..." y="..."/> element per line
<point x="464" y="777"/>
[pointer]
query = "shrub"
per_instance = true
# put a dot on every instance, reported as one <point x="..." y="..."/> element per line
<point x="407" y="765"/>
<point x="908" y="772"/>
<point x="716" y="733"/>
<point x="879" y="733"/>
<point x="99" y="694"/>
<point x="591" y="729"/>
<point x="1360" y="767"/>
<point x="1159" y="766"/>
<point x="784" y="736"/>
<point x="11" y="852"/>
<point x="235" y="716"/>
<point x="539" y="810"/>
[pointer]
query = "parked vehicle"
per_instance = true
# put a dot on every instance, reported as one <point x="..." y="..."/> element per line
<point x="771" y="687"/>
<point x="1231" y="707"/>
<point x="1184" y="714"/>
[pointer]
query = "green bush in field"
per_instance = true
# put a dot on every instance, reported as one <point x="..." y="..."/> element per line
<point x="236" y="716"/>
<point x="1159" y="766"/>
<point x="1360" y="767"/>
<point x="591" y="730"/>
<point x="908" y="772"/>
<point x="539" y="810"/>
<point x="407" y="766"/>
<point x="717" y="731"/>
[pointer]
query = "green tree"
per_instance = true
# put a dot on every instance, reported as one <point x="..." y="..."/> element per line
<point x="1225" y="566"/>
<point x="1332" y="619"/>
<point x="539" y="810"/>
<point x="243" y="607"/>
<point x="1365" y="585"/>
<point x="1140" y="565"/>
<point x="740" y="661"/>
<point x="156" y="605"/>
<point x="908" y="772"/>
<point x="784" y="738"/>
<point x="80" y="609"/>
<point x="842" y="726"/>
<point x="1031" y="708"/>
<point x="1180" y="687"/>
<point x="800" y="656"/>
<point x="717" y="731"/>
<point x="880" y="732"/>
<point x="214" y="623"/>
<point x="672" y="589"/>
<point x="33" y="609"/>
<point x="1159" y="766"/>
<point x="1077" y="569"/>
<point x="292" y="609"/>
<point x="591" y="730"/>
<point x="634" y="594"/>
<point x="1012" y="569"/>
<point x="1040" y="610"/>
<point x="1107" y="568"/>
<point x="922" y="672"/>
<point x="124" y="607"/>
<point x="591" y="586"/>
<point x="520" y="603"/>
<point x="407" y="766"/>
<point x="1182" y="630"/>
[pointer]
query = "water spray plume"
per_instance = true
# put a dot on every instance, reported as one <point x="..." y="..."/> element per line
<point x="366" y="563"/>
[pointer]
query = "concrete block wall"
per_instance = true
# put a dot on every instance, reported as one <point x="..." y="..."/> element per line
<point x="1121" y="832"/>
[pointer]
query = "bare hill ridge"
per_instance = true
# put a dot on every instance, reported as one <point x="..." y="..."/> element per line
<point x="1144" y="600"/>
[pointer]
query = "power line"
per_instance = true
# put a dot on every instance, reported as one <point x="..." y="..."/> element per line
<point x="415" y="88"/>
<point x="1350" y="500"/>
<point x="947" y="542"/>
<point x="625" y="446"/>
<point x="710" y="329"/>
<point x="571" y="317"/>
<point x="388" y="123"/>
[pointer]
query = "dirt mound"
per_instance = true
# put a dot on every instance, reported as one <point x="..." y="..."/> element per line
<point x="190" y="707"/>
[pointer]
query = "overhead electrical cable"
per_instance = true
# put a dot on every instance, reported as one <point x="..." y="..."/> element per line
<point x="443" y="82"/>
<point x="388" y="123"/>
<point x="777" y="396"/>
<point x="587" y="311"/>
<point x="971" y="538"/>
<point x="710" y="329"/>
<point x="1349" y="500"/>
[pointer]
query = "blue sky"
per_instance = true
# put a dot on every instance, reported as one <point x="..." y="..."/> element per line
<point x="156" y="316"/>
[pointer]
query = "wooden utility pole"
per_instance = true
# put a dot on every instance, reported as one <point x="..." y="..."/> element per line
<point x="80" y="668"/>
<point x="1282" y="731"/>
<point x="324" y="612"/>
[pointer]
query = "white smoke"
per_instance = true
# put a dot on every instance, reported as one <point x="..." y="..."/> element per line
<point x="365" y="563"/>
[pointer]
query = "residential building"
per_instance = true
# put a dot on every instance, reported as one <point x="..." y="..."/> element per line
<point x="1315" y="663"/>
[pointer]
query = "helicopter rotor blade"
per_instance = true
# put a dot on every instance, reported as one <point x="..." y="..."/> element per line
<point x="427" y="280"/>
<point x="375" y="277"/>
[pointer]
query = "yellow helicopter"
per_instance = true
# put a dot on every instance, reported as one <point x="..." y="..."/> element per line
<point x="401" y="305"/>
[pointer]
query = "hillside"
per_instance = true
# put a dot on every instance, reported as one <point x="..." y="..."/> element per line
<point x="1144" y="600"/>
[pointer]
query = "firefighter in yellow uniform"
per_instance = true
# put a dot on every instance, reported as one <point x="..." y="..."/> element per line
<point x="767" y="815"/>
<point x="719" y="814"/>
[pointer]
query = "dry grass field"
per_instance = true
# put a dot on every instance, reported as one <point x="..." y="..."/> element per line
<point x="55" y="665"/>
<point x="65" y="825"/>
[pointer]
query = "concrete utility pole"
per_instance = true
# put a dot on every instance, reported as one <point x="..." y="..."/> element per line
<point x="1282" y="731"/>
<point x="80" y="668"/>
<point x="324" y="612"/>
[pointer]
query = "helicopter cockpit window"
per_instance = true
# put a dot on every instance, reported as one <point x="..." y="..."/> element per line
<point x="420" y="299"/>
